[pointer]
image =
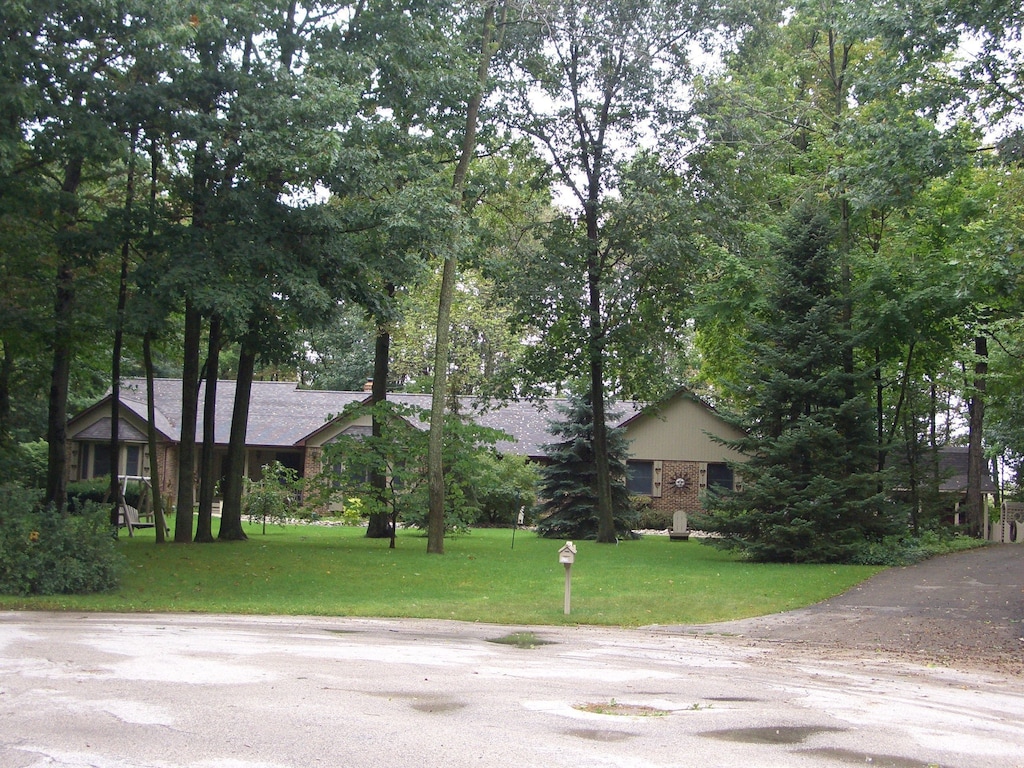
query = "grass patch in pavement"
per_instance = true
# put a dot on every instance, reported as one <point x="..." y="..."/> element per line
<point x="336" y="571"/>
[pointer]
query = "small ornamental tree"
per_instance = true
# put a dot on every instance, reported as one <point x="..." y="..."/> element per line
<point x="810" y="491"/>
<point x="356" y="461"/>
<point x="275" y="496"/>
<point x="399" y="455"/>
<point x="568" y="485"/>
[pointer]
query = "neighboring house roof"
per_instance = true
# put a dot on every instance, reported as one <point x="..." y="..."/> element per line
<point x="953" y="464"/>
<point x="952" y="461"/>
<point x="283" y="416"/>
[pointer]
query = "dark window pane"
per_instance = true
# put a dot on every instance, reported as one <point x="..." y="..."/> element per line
<point x="640" y="477"/>
<point x="132" y="464"/>
<point x="720" y="475"/>
<point x="100" y="460"/>
<point x="84" y="460"/>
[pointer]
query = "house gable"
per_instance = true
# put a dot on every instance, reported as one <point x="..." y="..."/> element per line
<point x="94" y="423"/>
<point x="358" y="423"/>
<point x="681" y="429"/>
<point x="100" y="430"/>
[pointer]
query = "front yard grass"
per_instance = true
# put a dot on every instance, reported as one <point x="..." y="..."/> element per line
<point x="336" y="571"/>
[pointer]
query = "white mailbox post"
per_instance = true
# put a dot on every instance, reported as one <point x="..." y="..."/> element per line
<point x="566" y="556"/>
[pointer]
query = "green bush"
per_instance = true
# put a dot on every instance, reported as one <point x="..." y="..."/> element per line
<point x="907" y="550"/>
<point x="97" y="491"/>
<point x="503" y="485"/>
<point x="24" y="464"/>
<point x="650" y="519"/>
<point x="82" y="492"/>
<point x="46" y="553"/>
<point x="459" y="515"/>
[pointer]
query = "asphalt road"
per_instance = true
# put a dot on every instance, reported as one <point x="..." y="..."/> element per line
<point x="188" y="691"/>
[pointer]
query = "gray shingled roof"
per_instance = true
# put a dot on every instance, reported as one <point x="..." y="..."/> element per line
<point x="952" y="468"/>
<point x="953" y="471"/>
<point x="282" y="415"/>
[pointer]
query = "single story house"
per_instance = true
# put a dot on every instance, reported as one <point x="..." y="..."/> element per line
<point x="674" y="455"/>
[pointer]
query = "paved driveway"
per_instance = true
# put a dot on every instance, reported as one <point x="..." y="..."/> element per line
<point x="188" y="691"/>
<point x="964" y="611"/>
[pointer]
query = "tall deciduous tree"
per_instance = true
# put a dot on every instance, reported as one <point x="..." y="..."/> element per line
<point x="594" y="80"/>
<point x="262" y="101"/>
<point x="491" y="27"/>
<point x="59" y="139"/>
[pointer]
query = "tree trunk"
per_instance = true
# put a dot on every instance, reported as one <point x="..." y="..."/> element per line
<point x="154" y="464"/>
<point x="435" y="444"/>
<point x="975" y="504"/>
<point x="115" y="393"/>
<point x="207" y="473"/>
<point x="595" y="343"/>
<point x="231" y="509"/>
<point x="115" y="361"/>
<point x="379" y="525"/>
<point x="60" y="372"/>
<point x="6" y="370"/>
<point x="189" y="412"/>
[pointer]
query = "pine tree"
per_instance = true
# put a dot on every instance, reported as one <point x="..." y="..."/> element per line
<point x="809" y="489"/>
<point x="568" y="486"/>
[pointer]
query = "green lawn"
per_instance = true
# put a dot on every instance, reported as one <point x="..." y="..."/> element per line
<point x="481" y="577"/>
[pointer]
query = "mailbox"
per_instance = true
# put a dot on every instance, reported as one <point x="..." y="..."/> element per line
<point x="567" y="554"/>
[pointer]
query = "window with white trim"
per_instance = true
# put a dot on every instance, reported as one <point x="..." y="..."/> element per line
<point x="94" y="460"/>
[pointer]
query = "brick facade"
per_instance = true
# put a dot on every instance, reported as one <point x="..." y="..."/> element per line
<point x="672" y="497"/>
<point x="312" y="466"/>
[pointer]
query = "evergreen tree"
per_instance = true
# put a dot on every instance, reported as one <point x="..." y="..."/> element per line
<point x="568" y="485"/>
<point x="809" y="491"/>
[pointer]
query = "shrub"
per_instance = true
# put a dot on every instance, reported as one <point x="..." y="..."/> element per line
<point x="82" y="492"/>
<point x="46" y="553"/>
<point x="504" y="485"/>
<point x="907" y="550"/>
<point x="650" y="519"/>
<point x="397" y="456"/>
<point x="97" y="491"/>
<point x="24" y="464"/>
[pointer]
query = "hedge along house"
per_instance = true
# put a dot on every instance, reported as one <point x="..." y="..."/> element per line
<point x="674" y="454"/>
